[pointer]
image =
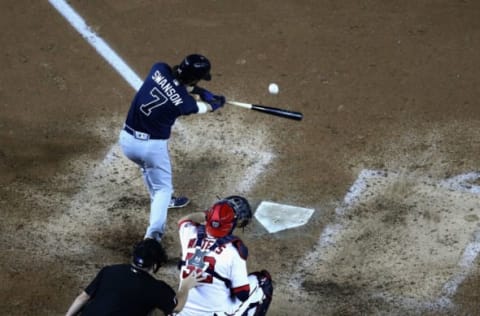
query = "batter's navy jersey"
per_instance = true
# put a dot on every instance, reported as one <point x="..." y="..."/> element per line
<point x="159" y="102"/>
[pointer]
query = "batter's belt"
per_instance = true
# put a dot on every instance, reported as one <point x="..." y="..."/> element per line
<point x="140" y="135"/>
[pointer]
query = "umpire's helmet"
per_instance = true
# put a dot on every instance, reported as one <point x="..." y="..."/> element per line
<point x="192" y="69"/>
<point x="226" y="214"/>
<point x="147" y="253"/>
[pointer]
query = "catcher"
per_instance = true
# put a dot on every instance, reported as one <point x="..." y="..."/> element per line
<point x="208" y="244"/>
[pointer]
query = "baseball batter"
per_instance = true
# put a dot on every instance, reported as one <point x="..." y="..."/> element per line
<point x="208" y="245"/>
<point x="166" y="94"/>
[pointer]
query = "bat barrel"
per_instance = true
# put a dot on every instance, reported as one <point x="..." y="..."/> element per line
<point x="297" y="116"/>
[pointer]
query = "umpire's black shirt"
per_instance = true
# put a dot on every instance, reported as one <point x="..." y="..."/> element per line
<point x="122" y="290"/>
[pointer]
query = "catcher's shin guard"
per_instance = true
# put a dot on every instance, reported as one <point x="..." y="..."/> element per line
<point x="265" y="282"/>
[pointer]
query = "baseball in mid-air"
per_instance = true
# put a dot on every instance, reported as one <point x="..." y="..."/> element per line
<point x="273" y="88"/>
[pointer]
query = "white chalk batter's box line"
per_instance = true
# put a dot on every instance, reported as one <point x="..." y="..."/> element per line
<point x="461" y="183"/>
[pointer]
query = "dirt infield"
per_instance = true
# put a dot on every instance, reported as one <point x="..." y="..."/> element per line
<point x="387" y="153"/>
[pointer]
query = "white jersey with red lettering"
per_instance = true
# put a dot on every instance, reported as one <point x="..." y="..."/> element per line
<point x="212" y="295"/>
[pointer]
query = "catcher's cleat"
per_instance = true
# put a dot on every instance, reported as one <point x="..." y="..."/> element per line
<point x="178" y="202"/>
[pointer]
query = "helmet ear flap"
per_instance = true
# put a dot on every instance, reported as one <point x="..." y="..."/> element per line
<point x="175" y="70"/>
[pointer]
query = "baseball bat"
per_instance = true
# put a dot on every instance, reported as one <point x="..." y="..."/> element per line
<point x="269" y="110"/>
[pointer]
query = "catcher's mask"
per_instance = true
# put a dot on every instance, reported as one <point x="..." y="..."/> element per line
<point x="192" y="69"/>
<point x="243" y="211"/>
<point x="226" y="214"/>
<point x="148" y="253"/>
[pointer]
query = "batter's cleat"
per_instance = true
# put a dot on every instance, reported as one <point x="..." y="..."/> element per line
<point x="178" y="202"/>
<point x="155" y="236"/>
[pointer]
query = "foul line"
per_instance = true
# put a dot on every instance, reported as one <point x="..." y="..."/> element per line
<point x="97" y="42"/>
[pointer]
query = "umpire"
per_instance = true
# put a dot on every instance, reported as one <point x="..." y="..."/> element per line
<point x="132" y="289"/>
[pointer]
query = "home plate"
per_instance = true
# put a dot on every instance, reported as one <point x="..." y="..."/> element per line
<point x="276" y="217"/>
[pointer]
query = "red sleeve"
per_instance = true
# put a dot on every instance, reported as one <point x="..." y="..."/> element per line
<point x="241" y="292"/>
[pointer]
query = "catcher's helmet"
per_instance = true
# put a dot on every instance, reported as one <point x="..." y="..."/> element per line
<point x="243" y="211"/>
<point x="193" y="68"/>
<point x="147" y="253"/>
<point x="226" y="214"/>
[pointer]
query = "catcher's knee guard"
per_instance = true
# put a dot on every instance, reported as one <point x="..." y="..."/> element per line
<point x="265" y="282"/>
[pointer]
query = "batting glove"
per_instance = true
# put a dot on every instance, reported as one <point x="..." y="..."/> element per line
<point x="217" y="102"/>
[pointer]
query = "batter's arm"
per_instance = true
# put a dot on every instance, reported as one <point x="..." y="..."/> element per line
<point x="203" y="107"/>
<point x="206" y="100"/>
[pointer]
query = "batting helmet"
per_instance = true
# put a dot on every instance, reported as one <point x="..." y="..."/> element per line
<point x="226" y="214"/>
<point x="192" y="69"/>
<point x="147" y="253"/>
